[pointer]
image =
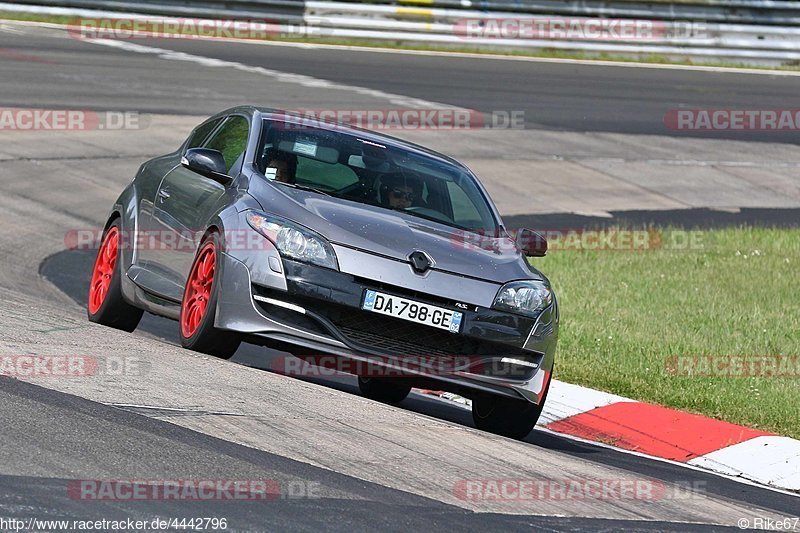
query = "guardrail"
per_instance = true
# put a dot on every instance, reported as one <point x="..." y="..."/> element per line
<point x="290" y="11"/>
<point x="730" y="11"/>
<point x="685" y="30"/>
<point x="749" y="43"/>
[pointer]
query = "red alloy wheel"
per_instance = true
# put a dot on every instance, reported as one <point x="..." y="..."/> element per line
<point x="103" y="270"/>
<point x="198" y="290"/>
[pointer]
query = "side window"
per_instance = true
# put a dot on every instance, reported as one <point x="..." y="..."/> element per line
<point x="201" y="132"/>
<point x="231" y="140"/>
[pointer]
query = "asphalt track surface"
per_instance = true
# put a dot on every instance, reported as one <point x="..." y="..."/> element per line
<point x="191" y="417"/>
<point x="553" y="96"/>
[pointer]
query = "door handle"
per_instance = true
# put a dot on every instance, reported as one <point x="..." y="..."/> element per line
<point x="163" y="194"/>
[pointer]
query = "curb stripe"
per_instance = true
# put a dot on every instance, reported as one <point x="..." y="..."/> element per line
<point x="771" y="460"/>
<point x="698" y="441"/>
<point x="566" y="400"/>
<point x="654" y="430"/>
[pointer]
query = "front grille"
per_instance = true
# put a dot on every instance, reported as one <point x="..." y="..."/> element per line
<point x="390" y="345"/>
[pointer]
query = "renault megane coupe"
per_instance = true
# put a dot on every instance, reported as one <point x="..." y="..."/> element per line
<point x="322" y="238"/>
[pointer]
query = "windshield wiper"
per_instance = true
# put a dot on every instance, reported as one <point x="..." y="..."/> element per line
<point x="307" y="188"/>
<point x="433" y="219"/>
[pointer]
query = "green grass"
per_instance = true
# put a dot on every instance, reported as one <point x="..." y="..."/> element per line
<point x="624" y="313"/>
<point x="545" y="53"/>
<point x="35" y="17"/>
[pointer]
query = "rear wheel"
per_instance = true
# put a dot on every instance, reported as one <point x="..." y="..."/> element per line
<point x="383" y="390"/>
<point x="199" y="306"/>
<point x="105" y="303"/>
<point x="506" y="416"/>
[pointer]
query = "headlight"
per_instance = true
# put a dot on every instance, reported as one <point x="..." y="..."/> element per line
<point x="523" y="297"/>
<point x="294" y="241"/>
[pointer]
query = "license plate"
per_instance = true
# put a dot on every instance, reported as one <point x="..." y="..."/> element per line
<point x="430" y="315"/>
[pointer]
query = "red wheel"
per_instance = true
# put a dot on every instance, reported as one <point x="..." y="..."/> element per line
<point x="198" y="289"/>
<point x="104" y="269"/>
<point x="105" y="303"/>
<point x="199" y="306"/>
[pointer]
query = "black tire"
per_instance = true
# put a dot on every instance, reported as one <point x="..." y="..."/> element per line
<point x="506" y="416"/>
<point x="383" y="390"/>
<point x="204" y="337"/>
<point x="105" y="304"/>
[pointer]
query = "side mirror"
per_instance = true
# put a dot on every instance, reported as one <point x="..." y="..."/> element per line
<point x="208" y="163"/>
<point x="531" y="243"/>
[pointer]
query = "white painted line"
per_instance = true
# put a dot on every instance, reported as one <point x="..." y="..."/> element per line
<point x="46" y="10"/>
<point x="771" y="460"/>
<point x="565" y="400"/>
<point x="283" y="77"/>
<point x="9" y="28"/>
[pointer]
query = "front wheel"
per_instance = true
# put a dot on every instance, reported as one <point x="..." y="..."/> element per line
<point x="383" y="390"/>
<point x="105" y="304"/>
<point x="199" y="306"/>
<point x="506" y="416"/>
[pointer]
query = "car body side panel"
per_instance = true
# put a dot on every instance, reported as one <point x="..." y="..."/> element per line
<point x="250" y="248"/>
<point x="236" y="311"/>
<point x="126" y="208"/>
<point x="133" y="204"/>
<point x="146" y="186"/>
<point x="180" y="219"/>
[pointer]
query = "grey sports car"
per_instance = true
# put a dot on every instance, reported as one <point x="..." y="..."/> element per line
<point x="318" y="239"/>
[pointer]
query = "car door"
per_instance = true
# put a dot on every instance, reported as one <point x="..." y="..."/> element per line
<point x="144" y="271"/>
<point x="184" y="203"/>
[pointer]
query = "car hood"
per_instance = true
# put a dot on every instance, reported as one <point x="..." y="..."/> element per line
<point x="396" y="235"/>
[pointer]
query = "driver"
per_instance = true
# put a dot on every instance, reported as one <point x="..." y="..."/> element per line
<point x="400" y="192"/>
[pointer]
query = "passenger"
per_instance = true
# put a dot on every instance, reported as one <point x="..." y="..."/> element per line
<point x="285" y="165"/>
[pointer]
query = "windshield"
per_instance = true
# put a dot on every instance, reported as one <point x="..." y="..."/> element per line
<point x="346" y="166"/>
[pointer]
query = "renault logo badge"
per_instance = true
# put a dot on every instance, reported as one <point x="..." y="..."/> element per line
<point x="420" y="262"/>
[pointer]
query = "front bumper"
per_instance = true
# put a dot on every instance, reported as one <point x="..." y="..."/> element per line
<point x="311" y="310"/>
